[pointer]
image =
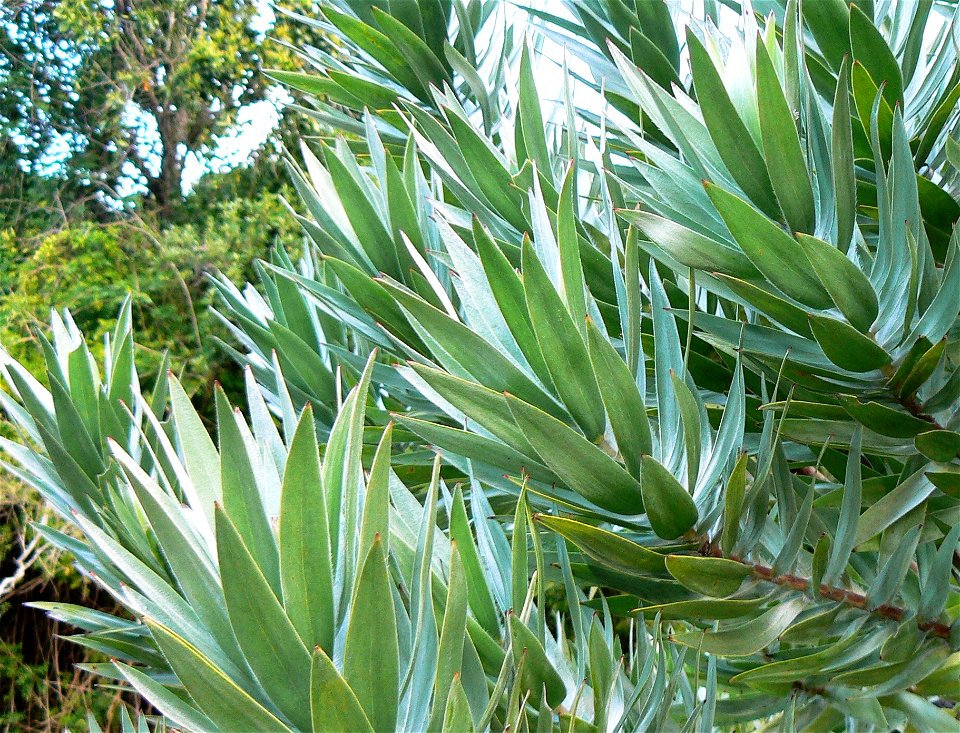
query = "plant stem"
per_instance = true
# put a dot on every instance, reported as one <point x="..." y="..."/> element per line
<point x="840" y="595"/>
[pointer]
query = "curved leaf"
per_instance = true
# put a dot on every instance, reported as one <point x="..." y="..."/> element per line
<point x="669" y="506"/>
<point x="774" y="252"/>
<point x="711" y="576"/>
<point x="605" y="547"/>
<point x="748" y="638"/>
<point x="579" y="463"/>
<point x="846" y="347"/>
<point x="848" y="286"/>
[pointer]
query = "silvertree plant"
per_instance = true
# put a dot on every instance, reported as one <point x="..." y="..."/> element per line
<point x="638" y="401"/>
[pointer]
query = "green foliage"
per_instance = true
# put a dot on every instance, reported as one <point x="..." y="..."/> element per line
<point x="64" y="703"/>
<point x="66" y="134"/>
<point x="91" y="268"/>
<point x="248" y="605"/>
<point x="41" y="682"/>
<point x="711" y="397"/>
<point x="97" y="98"/>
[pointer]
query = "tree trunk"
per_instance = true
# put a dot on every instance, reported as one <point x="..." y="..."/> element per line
<point x="166" y="187"/>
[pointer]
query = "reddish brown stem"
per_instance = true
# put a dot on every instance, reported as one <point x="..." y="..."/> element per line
<point x="840" y="595"/>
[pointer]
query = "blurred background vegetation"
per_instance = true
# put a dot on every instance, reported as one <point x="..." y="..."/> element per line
<point x="140" y="148"/>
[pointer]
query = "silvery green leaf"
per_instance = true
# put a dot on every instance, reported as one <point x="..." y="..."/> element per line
<point x="894" y="570"/>
<point x="937" y="582"/>
<point x="747" y="638"/>
<point x="271" y="645"/>
<point x="845" y="538"/>
<point x="908" y="494"/>
<point x="217" y="696"/>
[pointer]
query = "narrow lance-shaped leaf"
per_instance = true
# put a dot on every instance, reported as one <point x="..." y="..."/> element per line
<point x="935" y="127"/>
<point x="538" y="674"/>
<point x="481" y="602"/>
<point x="786" y="163"/>
<point x="341" y="474"/>
<point x="729" y="132"/>
<point x="909" y="494"/>
<point x="306" y="561"/>
<point x="563" y="348"/>
<point x="334" y="706"/>
<point x="471" y="352"/>
<point x="530" y="116"/>
<point x="622" y="399"/>
<point x="632" y="303"/>
<point x="270" y="643"/>
<point x="733" y="505"/>
<point x="770" y="304"/>
<point x="772" y="250"/>
<point x="850" y="648"/>
<point x="376" y="501"/>
<point x="583" y="466"/>
<point x="937" y="585"/>
<point x="242" y="500"/>
<point x="371" y="660"/>
<point x="845" y="537"/>
<point x="188" y="560"/>
<point x="83" y="380"/>
<point x="883" y="419"/>
<point x="571" y="269"/>
<point x="846" y="347"/>
<point x="418" y="56"/>
<point x="369" y="293"/>
<point x="691" y="248"/>
<point x="488" y="408"/>
<point x="74" y="436"/>
<point x="923" y="368"/>
<point x="452" y="634"/>
<point x="747" y="638"/>
<point x="667" y="358"/>
<point x="601" y="672"/>
<point x="794" y="536"/>
<point x="849" y="288"/>
<point x="488" y="170"/>
<point x="872" y="50"/>
<point x="173" y="707"/>
<point x="893" y="572"/>
<point x="456" y="715"/>
<point x="364" y="218"/>
<point x="507" y="289"/>
<point x="866" y="98"/>
<point x="844" y="175"/>
<point x="217" y="696"/>
<point x="378" y="46"/>
<point x="828" y="22"/>
<point x="604" y="546"/>
<point x="690" y="416"/>
<point x="519" y="555"/>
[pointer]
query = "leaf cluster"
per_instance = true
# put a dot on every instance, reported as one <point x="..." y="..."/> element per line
<point x="689" y="355"/>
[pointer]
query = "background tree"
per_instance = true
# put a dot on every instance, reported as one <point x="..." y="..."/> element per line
<point x="128" y="90"/>
<point x="103" y="108"/>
